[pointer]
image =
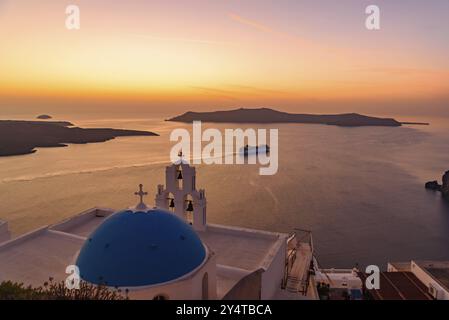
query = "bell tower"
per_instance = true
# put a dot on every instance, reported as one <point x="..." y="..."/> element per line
<point x="180" y="196"/>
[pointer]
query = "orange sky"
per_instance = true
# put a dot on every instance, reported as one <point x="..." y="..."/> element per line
<point x="218" y="52"/>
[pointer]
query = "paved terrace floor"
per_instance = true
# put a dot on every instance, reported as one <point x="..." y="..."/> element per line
<point x="33" y="260"/>
<point x="86" y="228"/>
<point x="242" y="250"/>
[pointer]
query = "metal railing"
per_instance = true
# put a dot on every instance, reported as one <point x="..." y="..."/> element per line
<point x="300" y="236"/>
<point x="304" y="236"/>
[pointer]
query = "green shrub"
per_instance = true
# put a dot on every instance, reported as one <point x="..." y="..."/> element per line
<point x="58" y="291"/>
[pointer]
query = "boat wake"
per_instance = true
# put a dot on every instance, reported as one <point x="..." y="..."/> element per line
<point x="27" y="178"/>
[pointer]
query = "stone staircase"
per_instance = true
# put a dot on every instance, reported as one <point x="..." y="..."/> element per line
<point x="298" y="277"/>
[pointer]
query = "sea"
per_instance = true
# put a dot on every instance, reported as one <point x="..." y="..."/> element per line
<point x="359" y="190"/>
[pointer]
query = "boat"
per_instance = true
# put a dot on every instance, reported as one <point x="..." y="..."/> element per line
<point x="250" y="150"/>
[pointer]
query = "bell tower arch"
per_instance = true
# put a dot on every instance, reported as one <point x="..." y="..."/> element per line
<point x="180" y="196"/>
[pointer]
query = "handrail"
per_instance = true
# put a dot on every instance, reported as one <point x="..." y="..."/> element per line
<point x="306" y="234"/>
<point x="290" y="259"/>
<point x="301" y="236"/>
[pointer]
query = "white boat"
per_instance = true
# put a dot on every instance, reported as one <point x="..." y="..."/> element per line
<point x="249" y="150"/>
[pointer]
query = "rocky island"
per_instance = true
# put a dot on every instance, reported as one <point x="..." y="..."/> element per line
<point x="23" y="137"/>
<point x="443" y="188"/>
<point x="265" y="115"/>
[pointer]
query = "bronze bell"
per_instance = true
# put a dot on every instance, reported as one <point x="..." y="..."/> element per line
<point x="179" y="175"/>
<point x="172" y="203"/>
<point x="190" y="207"/>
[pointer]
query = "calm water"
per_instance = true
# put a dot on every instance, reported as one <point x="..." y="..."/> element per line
<point x="360" y="190"/>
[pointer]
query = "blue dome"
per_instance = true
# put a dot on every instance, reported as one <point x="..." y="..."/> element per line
<point x="131" y="249"/>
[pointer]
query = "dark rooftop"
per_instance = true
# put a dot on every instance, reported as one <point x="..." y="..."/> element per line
<point x="399" y="286"/>
<point x="441" y="275"/>
<point x="439" y="270"/>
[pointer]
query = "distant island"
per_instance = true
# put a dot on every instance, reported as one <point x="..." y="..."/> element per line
<point x="23" y="137"/>
<point x="417" y="123"/>
<point x="44" y="117"/>
<point x="443" y="188"/>
<point x="265" y="115"/>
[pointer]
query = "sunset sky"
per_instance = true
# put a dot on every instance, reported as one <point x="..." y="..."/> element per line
<point x="207" y="53"/>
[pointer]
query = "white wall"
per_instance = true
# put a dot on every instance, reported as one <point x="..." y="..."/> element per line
<point x="82" y="218"/>
<point x="274" y="271"/>
<point x="273" y="263"/>
<point x="188" y="288"/>
<point x="427" y="280"/>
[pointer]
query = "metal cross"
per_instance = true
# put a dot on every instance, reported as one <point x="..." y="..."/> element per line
<point x="141" y="193"/>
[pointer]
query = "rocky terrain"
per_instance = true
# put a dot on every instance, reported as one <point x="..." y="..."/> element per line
<point x="23" y="137"/>
<point x="265" y="115"/>
<point x="443" y="188"/>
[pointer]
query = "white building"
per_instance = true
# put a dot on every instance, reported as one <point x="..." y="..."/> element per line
<point x="165" y="252"/>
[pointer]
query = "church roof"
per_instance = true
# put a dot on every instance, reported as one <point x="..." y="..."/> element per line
<point x="131" y="249"/>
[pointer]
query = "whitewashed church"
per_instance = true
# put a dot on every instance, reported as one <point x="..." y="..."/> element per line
<point x="168" y="251"/>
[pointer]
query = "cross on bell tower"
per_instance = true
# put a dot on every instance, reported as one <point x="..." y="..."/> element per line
<point x="141" y="194"/>
<point x="181" y="158"/>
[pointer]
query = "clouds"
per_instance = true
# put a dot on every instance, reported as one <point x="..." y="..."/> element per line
<point x="251" y="23"/>
<point x="260" y="26"/>
<point x="176" y="39"/>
